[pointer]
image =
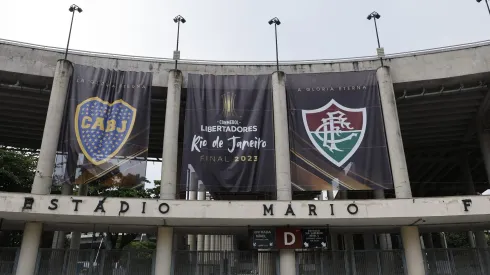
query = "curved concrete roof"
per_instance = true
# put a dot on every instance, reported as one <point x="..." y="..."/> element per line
<point x="439" y="63"/>
<point x="440" y="93"/>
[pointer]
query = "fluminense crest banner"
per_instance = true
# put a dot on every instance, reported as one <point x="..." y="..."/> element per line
<point x="336" y="132"/>
<point x="229" y="135"/>
<point x="106" y="128"/>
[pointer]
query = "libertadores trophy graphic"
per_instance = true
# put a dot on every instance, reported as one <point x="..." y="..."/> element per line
<point x="336" y="131"/>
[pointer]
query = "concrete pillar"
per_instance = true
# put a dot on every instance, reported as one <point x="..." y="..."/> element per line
<point x="471" y="239"/>
<point x="52" y="127"/>
<point x="211" y="243"/>
<point x="393" y="134"/>
<point x="485" y="149"/>
<point x="413" y="255"/>
<point x="349" y="247"/>
<point x="287" y="261"/>
<point x="330" y="195"/>
<point x="75" y="240"/>
<point x="429" y="246"/>
<point x="384" y="238"/>
<point x="29" y="248"/>
<point x="193" y="182"/>
<point x="168" y="188"/>
<point x="281" y="137"/>
<point x="481" y="244"/>
<point x="46" y="161"/>
<point x="60" y="236"/>
<point x="201" y="195"/>
<point x="410" y="234"/>
<point x="206" y="242"/>
<point x="163" y="259"/>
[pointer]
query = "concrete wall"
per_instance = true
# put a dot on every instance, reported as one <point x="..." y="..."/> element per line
<point x="408" y="67"/>
<point x="393" y="212"/>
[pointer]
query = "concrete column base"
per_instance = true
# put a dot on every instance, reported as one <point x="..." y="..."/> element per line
<point x="287" y="262"/>
<point x="29" y="248"/>
<point x="163" y="259"/>
<point x="413" y="250"/>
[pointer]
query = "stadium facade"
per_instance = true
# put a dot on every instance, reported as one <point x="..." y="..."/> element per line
<point x="432" y="123"/>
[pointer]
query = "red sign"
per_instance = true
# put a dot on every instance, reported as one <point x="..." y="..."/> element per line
<point x="289" y="238"/>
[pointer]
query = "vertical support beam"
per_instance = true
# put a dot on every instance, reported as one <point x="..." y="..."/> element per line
<point x="393" y="134"/>
<point x="471" y="239"/>
<point x="410" y="234"/>
<point x="384" y="238"/>
<point x="207" y="242"/>
<point x="191" y="238"/>
<point x="484" y="137"/>
<point x="287" y="261"/>
<point x="281" y="137"/>
<point x="413" y="250"/>
<point x="29" y="248"/>
<point x="201" y="195"/>
<point x="52" y="127"/>
<point x="163" y="259"/>
<point x="46" y="161"/>
<point x="60" y="236"/>
<point x="168" y="188"/>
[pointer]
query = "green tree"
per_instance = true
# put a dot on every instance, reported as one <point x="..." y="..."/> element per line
<point x="16" y="170"/>
<point x="16" y="175"/>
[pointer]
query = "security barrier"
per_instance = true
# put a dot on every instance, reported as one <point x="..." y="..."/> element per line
<point x="366" y="262"/>
<point x="452" y="261"/>
<point x="225" y="262"/>
<point x="457" y="261"/>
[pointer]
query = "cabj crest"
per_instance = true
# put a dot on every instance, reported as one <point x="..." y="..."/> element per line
<point x="102" y="128"/>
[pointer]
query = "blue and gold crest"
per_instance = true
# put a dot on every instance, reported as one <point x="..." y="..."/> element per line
<point x="102" y="128"/>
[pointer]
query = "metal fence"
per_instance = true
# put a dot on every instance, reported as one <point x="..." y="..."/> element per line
<point x="452" y="261"/>
<point x="364" y="262"/>
<point x="457" y="261"/>
<point x="8" y="260"/>
<point x="225" y="262"/>
<point x="94" y="262"/>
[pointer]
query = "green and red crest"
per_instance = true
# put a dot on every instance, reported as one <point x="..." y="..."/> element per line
<point x="336" y="131"/>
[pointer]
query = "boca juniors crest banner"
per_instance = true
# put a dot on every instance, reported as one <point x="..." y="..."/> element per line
<point x="106" y="127"/>
<point x="336" y="132"/>
<point x="228" y="136"/>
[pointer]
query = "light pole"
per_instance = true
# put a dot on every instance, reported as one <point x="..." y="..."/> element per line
<point x="488" y="6"/>
<point x="72" y="9"/>
<point x="178" y="19"/>
<point x="374" y="15"/>
<point x="276" y="22"/>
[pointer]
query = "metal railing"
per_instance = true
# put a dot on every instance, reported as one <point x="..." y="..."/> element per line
<point x="457" y="261"/>
<point x="452" y="261"/>
<point x="225" y="262"/>
<point x="94" y="262"/>
<point x="366" y="262"/>
<point x="8" y="260"/>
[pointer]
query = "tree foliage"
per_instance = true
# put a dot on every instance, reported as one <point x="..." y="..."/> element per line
<point x="16" y="170"/>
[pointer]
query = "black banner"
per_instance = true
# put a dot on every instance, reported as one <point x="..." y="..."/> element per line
<point x="228" y="136"/>
<point x="106" y="125"/>
<point x="336" y="132"/>
<point x="314" y="238"/>
<point x="263" y="239"/>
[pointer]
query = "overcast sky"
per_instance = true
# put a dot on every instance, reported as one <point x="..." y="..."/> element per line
<point x="238" y="29"/>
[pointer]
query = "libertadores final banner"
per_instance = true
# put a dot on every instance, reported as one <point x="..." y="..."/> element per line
<point x="229" y="135"/>
<point x="336" y="131"/>
<point x="104" y="139"/>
